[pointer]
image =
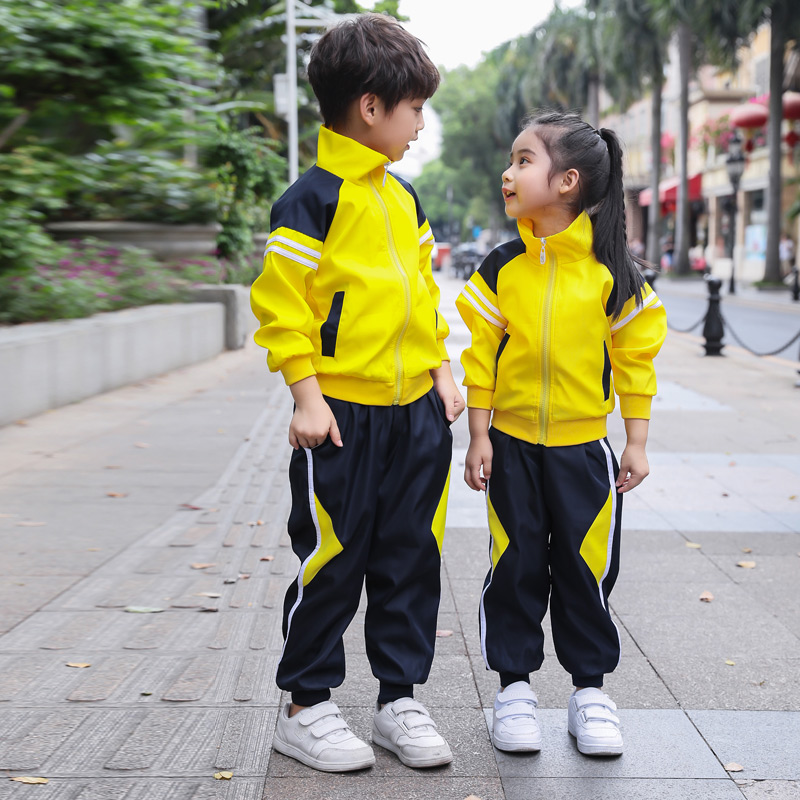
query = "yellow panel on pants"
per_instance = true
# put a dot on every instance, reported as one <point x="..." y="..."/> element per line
<point x="329" y="545"/>
<point x="437" y="526"/>
<point x="594" y="549"/>
<point x="499" y="535"/>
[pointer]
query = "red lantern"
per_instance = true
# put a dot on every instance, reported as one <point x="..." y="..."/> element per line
<point x="791" y="139"/>
<point x="791" y="105"/>
<point x="749" y="115"/>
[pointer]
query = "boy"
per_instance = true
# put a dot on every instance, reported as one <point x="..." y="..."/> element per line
<point x="348" y="312"/>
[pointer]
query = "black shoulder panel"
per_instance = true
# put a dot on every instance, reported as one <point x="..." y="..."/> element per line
<point x="308" y="205"/>
<point x="497" y="259"/>
<point x="410" y="189"/>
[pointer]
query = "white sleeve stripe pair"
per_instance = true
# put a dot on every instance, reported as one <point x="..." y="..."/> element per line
<point x="498" y="323"/>
<point x="648" y="301"/>
<point x="274" y="248"/>
<point x="296" y="245"/>
<point x="424" y="238"/>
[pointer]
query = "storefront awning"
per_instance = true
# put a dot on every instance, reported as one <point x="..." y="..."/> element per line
<point x="668" y="190"/>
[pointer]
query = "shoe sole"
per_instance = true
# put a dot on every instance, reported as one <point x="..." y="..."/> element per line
<point x="304" y="758"/>
<point x="419" y="763"/>
<point x="516" y="747"/>
<point x="597" y="749"/>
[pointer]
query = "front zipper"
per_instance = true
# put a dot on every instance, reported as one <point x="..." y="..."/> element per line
<point x="547" y="321"/>
<point x="398" y="359"/>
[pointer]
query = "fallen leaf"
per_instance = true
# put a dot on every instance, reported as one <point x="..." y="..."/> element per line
<point x="6" y="516"/>
<point x="207" y="594"/>
<point x="746" y="564"/>
<point x="725" y="494"/>
<point x="202" y="566"/>
<point x="112" y="466"/>
<point x="223" y="776"/>
<point x="472" y="797"/>
<point x="209" y="609"/>
<point x="142" y="610"/>
<point x="747" y="549"/>
<point x="731" y="463"/>
<point x="267" y="558"/>
<point x="191" y="507"/>
<point x="116" y="494"/>
<point x="220" y="430"/>
<point x="229" y="580"/>
<point x="29" y="524"/>
<point x="693" y="545"/>
<point x="77" y="664"/>
<point x="443" y="634"/>
<point x="141" y="444"/>
<point x="146" y="694"/>
<point x="793" y="497"/>
<point x="706" y="597"/>
<point x="243" y="576"/>
<point x="733" y="767"/>
<point x="730" y="663"/>
<point x="28" y="779"/>
<point x="93" y="549"/>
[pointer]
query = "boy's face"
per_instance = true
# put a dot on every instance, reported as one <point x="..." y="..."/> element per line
<point x="390" y="133"/>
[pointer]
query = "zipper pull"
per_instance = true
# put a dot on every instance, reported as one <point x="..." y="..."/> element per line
<point x="542" y="258"/>
<point x="386" y="171"/>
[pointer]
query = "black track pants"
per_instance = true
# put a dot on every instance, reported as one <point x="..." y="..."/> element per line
<point x="372" y="510"/>
<point x="554" y="518"/>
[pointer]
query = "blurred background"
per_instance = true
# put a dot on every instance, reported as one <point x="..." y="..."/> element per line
<point x="142" y="142"/>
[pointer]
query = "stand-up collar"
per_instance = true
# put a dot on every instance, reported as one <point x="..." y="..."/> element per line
<point x="346" y="157"/>
<point x="572" y="244"/>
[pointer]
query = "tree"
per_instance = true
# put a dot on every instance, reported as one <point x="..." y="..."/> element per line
<point x="634" y="66"/>
<point x="735" y="23"/>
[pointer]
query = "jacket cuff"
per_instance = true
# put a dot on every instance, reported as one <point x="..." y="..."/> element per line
<point x="442" y="350"/>
<point x="296" y="369"/>
<point x="635" y="406"/>
<point x="479" y="398"/>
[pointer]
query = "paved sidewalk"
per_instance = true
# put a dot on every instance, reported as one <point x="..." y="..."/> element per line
<point x="172" y="495"/>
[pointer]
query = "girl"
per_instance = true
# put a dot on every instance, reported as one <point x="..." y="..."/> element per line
<point x="560" y="320"/>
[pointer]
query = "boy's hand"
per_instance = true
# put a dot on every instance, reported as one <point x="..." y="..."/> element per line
<point x="633" y="468"/>
<point x="448" y="391"/>
<point x="478" y="464"/>
<point x="313" y="420"/>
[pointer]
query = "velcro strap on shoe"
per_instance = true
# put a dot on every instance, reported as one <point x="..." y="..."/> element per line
<point x="308" y="716"/>
<point x="597" y="713"/>
<point x="408" y="704"/>
<point x="516" y="708"/>
<point x="328" y="725"/>
<point x="595" y="697"/>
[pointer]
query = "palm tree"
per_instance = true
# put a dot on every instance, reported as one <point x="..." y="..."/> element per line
<point x="634" y="66"/>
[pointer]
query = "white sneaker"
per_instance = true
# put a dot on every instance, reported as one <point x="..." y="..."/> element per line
<point x="319" y="737"/>
<point x="405" y="727"/>
<point x="592" y="722"/>
<point x="514" y="723"/>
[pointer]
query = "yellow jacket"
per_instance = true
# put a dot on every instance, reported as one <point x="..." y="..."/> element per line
<point x="347" y="292"/>
<point x="545" y="355"/>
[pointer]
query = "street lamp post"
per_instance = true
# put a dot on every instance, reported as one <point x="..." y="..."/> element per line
<point x="734" y="164"/>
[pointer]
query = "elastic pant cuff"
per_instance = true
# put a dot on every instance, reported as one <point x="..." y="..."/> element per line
<point x="507" y="678"/>
<point x="389" y="692"/>
<point x="588" y="681"/>
<point x="311" y="697"/>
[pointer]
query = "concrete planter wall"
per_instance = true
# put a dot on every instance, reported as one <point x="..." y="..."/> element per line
<point x="163" y="241"/>
<point x="50" y="364"/>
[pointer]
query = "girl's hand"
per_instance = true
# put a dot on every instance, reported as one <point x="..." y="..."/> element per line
<point x="633" y="468"/>
<point x="478" y="464"/>
<point x="447" y="390"/>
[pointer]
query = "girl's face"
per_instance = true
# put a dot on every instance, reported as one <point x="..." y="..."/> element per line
<point x="528" y="190"/>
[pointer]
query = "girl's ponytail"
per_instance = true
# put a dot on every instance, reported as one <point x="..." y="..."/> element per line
<point x="610" y="231"/>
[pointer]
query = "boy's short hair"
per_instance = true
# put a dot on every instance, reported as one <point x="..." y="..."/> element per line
<point x="370" y="53"/>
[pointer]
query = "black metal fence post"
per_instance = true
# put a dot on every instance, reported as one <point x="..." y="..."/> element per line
<point x="713" y="329"/>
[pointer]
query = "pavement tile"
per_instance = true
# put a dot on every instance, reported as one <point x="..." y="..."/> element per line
<point x="758" y="740"/>
<point x="755" y="682"/>
<point x="658" y="744"/>
<point x="770" y="790"/>
<point x="619" y="789"/>
<point x="422" y="785"/>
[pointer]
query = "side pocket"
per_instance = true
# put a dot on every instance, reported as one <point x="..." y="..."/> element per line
<point x="606" y="373"/>
<point x="330" y="328"/>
